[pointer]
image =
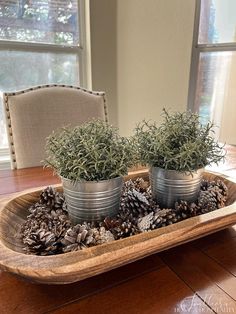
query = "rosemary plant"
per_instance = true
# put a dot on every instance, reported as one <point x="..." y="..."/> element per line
<point x="179" y="143"/>
<point x="92" y="151"/>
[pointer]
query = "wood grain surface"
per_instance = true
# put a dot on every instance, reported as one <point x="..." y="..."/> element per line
<point x="79" y="265"/>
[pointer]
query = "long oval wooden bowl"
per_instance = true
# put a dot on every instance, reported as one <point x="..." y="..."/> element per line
<point x="75" y="266"/>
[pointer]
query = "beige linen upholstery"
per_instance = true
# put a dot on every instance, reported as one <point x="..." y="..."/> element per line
<point x="32" y="114"/>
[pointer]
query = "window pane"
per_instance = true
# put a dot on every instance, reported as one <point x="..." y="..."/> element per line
<point x="217" y="21"/>
<point x="20" y="69"/>
<point x="45" y="21"/>
<point x="215" y="93"/>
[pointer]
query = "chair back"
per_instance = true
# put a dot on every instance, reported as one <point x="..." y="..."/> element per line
<point x="32" y="115"/>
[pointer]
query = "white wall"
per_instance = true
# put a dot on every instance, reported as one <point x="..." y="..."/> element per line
<point x="141" y="56"/>
<point x="103" y="17"/>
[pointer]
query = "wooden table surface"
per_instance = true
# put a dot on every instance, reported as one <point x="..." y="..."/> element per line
<point x="199" y="277"/>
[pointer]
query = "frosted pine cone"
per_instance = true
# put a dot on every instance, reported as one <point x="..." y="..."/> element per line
<point x="43" y="229"/>
<point x="139" y="185"/>
<point x="83" y="236"/>
<point x="144" y="223"/>
<point x="158" y="219"/>
<point x="101" y="235"/>
<point x="135" y="203"/>
<point x="77" y="238"/>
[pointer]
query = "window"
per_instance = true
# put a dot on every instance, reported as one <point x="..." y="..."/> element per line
<point x="213" y="69"/>
<point x="41" y="42"/>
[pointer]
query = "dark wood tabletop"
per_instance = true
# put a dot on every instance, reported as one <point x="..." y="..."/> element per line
<point x="198" y="277"/>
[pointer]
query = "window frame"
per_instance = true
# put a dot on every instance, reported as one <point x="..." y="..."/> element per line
<point x="82" y="50"/>
<point x="197" y="49"/>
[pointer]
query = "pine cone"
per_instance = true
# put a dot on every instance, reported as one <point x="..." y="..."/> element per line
<point x="77" y="238"/>
<point x="207" y="201"/>
<point x="126" y="229"/>
<point x="166" y="216"/>
<point x="42" y="241"/>
<point x="101" y="235"/>
<point x="121" y="228"/>
<point x="135" y="203"/>
<point x="158" y="219"/>
<point x="205" y="184"/>
<point x="51" y="198"/>
<point x="43" y="229"/>
<point x="83" y="236"/>
<point x="144" y="223"/>
<point x="139" y="185"/>
<point x="222" y="190"/>
<point x="128" y="185"/>
<point x="213" y="196"/>
<point x="185" y="210"/>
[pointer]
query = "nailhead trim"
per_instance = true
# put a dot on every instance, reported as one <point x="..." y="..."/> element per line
<point x="8" y="116"/>
<point x="9" y="132"/>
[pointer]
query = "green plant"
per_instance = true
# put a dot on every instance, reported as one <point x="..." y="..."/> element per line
<point x="92" y="151"/>
<point x="179" y="143"/>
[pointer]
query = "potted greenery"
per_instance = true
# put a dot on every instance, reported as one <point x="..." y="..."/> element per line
<point x="177" y="151"/>
<point x="91" y="160"/>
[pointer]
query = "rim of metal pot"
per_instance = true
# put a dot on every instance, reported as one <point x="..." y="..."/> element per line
<point x="90" y="182"/>
<point x="183" y="172"/>
<point x="171" y="172"/>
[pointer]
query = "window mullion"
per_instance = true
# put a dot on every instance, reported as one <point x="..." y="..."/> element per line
<point x="216" y="47"/>
<point x="194" y="58"/>
<point x="14" y="45"/>
<point x="85" y="69"/>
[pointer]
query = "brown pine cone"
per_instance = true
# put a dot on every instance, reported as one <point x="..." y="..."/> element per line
<point x="124" y="230"/>
<point x="223" y="190"/>
<point x="185" y="210"/>
<point x="140" y="185"/>
<point x="205" y="184"/>
<point x="121" y="228"/>
<point x="51" y="198"/>
<point x="213" y="197"/>
<point x="41" y="242"/>
<point x="210" y="200"/>
<point x="207" y="201"/>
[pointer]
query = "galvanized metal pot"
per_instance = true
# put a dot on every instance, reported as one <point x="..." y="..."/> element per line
<point x="92" y="200"/>
<point x="169" y="186"/>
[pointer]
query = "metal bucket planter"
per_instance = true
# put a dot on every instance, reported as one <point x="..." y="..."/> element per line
<point x="92" y="200"/>
<point x="169" y="186"/>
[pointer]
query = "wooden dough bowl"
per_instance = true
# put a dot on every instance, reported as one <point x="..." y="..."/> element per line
<point x="75" y="266"/>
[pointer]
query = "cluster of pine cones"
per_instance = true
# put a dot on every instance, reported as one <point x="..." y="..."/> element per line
<point x="48" y="229"/>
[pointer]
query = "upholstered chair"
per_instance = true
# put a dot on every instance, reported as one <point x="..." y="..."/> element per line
<point x="32" y="114"/>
